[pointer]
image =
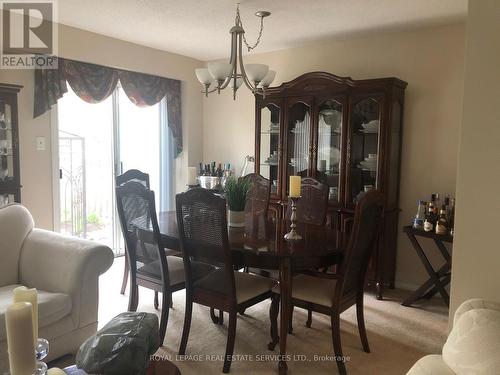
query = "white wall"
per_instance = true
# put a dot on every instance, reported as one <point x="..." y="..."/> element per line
<point x="476" y="257"/>
<point x="36" y="166"/>
<point x="430" y="60"/>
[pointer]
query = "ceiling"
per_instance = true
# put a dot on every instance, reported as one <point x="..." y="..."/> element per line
<point x="200" y="28"/>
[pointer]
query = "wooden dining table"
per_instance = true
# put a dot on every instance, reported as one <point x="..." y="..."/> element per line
<point x="260" y="244"/>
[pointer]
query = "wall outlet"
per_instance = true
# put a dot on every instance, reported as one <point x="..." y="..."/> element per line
<point x="40" y="144"/>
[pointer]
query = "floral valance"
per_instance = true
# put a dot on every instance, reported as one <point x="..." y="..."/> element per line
<point x="94" y="83"/>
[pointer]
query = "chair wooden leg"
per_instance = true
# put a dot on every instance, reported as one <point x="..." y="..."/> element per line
<point x="337" y="344"/>
<point x="361" y="323"/>
<point x="133" y="298"/>
<point x="165" y="303"/>
<point x="290" y="322"/>
<point x="309" y="318"/>
<point x="273" y="317"/>
<point x="231" y="335"/>
<point x="156" y="303"/>
<point x="187" y="325"/>
<point x="214" y="317"/>
<point x="217" y="319"/>
<point x="125" y="276"/>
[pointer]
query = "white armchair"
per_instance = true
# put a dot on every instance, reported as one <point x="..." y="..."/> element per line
<point x="64" y="270"/>
<point x="473" y="346"/>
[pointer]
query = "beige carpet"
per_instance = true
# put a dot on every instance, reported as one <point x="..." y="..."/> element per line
<point x="398" y="335"/>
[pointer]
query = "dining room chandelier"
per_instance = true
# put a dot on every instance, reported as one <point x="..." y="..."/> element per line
<point x="219" y="75"/>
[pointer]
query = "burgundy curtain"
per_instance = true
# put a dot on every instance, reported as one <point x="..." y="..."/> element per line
<point x="94" y="83"/>
<point x="50" y="86"/>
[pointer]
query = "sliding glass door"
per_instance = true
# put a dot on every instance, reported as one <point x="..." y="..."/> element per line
<point x="96" y="143"/>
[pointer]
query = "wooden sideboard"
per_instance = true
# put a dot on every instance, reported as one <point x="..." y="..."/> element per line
<point x="346" y="133"/>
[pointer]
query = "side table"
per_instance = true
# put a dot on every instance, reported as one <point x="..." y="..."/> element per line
<point x="437" y="279"/>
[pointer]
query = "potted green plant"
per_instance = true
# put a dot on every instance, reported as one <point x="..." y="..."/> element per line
<point x="236" y="195"/>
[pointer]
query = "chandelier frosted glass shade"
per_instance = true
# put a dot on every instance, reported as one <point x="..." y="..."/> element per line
<point x="219" y="71"/>
<point x="239" y="82"/>
<point x="204" y="76"/>
<point x="256" y="72"/>
<point x="268" y="79"/>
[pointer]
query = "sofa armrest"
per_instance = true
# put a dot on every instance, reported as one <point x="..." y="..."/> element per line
<point x="55" y="263"/>
<point x="474" y="303"/>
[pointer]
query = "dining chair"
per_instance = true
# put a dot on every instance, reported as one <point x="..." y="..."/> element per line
<point x="256" y="205"/>
<point x="143" y="178"/>
<point x="256" y="211"/>
<point x="150" y="267"/>
<point x="332" y="294"/>
<point x="313" y="203"/>
<point x="311" y="209"/>
<point x="203" y="235"/>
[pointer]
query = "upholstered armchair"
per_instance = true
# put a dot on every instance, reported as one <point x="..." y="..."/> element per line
<point x="473" y="346"/>
<point x="64" y="270"/>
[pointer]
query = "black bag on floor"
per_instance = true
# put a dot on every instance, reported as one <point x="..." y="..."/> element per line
<point x="121" y="347"/>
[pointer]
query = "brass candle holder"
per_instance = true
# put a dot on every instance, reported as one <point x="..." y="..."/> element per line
<point x="293" y="235"/>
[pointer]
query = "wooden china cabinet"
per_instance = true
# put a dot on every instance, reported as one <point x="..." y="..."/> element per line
<point x="346" y="133"/>
<point x="10" y="185"/>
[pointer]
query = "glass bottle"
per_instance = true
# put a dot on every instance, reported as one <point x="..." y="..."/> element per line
<point x="451" y="216"/>
<point x="430" y="218"/>
<point x="442" y="223"/>
<point x="418" y="221"/>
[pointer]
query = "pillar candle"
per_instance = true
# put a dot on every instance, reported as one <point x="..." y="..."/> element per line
<point x="23" y="294"/>
<point x="192" y="174"/>
<point x="295" y="182"/>
<point x="20" y="342"/>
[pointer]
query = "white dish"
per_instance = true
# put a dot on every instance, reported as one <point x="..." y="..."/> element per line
<point x="329" y="112"/>
<point x="374" y="124"/>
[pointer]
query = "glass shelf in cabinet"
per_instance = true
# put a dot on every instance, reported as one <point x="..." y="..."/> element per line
<point x="270" y="164"/>
<point x="270" y="133"/>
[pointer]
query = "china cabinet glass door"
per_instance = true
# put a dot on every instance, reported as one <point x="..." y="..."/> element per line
<point x="328" y="149"/>
<point x="6" y="144"/>
<point x="364" y="166"/>
<point x="6" y="198"/>
<point x="298" y="141"/>
<point x="270" y="145"/>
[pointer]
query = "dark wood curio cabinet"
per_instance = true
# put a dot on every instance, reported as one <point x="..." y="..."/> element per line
<point x="10" y="185"/>
<point x="346" y="133"/>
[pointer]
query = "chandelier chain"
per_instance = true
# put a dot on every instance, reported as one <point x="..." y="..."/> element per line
<point x="240" y="23"/>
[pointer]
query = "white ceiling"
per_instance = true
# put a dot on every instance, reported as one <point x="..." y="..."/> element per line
<point x="200" y="28"/>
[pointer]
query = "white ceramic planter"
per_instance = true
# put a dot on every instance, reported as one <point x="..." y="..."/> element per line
<point x="236" y="219"/>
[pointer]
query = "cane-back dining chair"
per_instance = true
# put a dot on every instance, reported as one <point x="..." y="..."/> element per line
<point x="331" y="294"/>
<point x="313" y="203"/>
<point x="311" y="209"/>
<point x="256" y="205"/>
<point x="150" y="267"/>
<point x="143" y="178"/>
<point x="203" y="234"/>
<point x="256" y="211"/>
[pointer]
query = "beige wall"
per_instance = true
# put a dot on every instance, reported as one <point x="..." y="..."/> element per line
<point x="36" y="166"/>
<point x="430" y="60"/>
<point x="477" y="250"/>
